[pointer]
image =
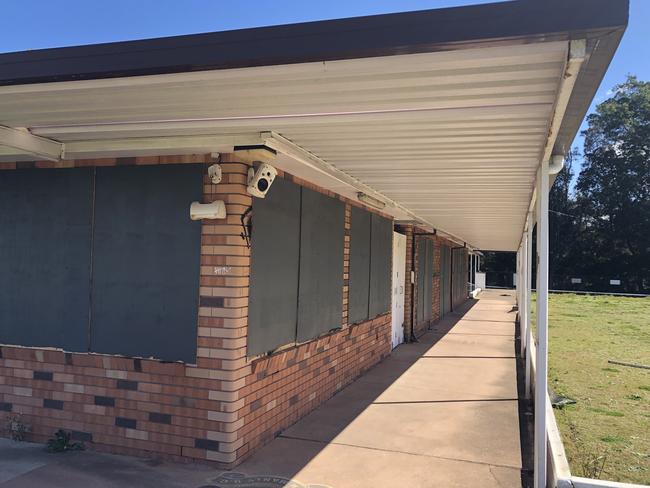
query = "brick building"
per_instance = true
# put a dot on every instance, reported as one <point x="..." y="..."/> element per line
<point x="200" y="390"/>
<point x="400" y="149"/>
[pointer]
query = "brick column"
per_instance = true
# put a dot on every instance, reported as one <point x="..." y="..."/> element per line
<point x="346" y="265"/>
<point x="223" y="312"/>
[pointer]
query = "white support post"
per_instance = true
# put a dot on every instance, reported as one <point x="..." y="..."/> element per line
<point x="528" y="292"/>
<point x="518" y="282"/>
<point x="517" y="277"/>
<point x="523" y="323"/>
<point x="521" y="278"/>
<point x="541" y="373"/>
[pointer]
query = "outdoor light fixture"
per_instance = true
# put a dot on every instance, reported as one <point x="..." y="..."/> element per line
<point x="214" y="210"/>
<point x="372" y="201"/>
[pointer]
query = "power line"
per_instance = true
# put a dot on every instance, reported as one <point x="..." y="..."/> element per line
<point x="562" y="213"/>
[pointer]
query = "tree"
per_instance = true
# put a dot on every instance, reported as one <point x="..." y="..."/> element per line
<point x="499" y="267"/>
<point x="601" y="231"/>
<point x="613" y="188"/>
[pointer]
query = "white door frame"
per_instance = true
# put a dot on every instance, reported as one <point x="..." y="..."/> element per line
<point x="398" y="288"/>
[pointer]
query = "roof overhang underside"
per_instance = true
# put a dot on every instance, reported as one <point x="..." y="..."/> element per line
<point x="453" y="136"/>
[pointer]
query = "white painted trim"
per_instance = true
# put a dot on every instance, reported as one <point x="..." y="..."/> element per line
<point x="558" y="464"/>
<point x="558" y="472"/>
<point x="541" y="373"/>
<point x="523" y="325"/>
<point x="370" y="65"/>
<point x="25" y="142"/>
<point x="153" y="146"/>
<point x="528" y="286"/>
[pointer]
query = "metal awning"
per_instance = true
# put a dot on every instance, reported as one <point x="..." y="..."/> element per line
<point x="448" y="126"/>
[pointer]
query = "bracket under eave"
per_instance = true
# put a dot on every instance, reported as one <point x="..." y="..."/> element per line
<point x="25" y="142"/>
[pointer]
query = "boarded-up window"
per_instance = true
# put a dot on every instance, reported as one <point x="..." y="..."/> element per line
<point x="381" y="248"/>
<point x="103" y="259"/>
<point x="272" y="306"/>
<point x="370" y="265"/>
<point x="320" y="291"/>
<point x="425" y="279"/>
<point x="428" y="288"/>
<point x="296" y="267"/>
<point x="459" y="288"/>
<point x="359" y="282"/>
<point x="45" y="233"/>
<point x="445" y="280"/>
<point x="146" y="261"/>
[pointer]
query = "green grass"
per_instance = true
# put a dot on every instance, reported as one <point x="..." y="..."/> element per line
<point x="611" y="421"/>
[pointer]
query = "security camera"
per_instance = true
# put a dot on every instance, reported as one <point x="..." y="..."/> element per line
<point x="260" y="180"/>
<point x="214" y="210"/>
<point x="214" y="172"/>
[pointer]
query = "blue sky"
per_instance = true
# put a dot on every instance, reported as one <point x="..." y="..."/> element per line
<point x="34" y="24"/>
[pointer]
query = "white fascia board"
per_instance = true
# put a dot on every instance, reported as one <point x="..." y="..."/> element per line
<point x="156" y="146"/>
<point x="24" y="141"/>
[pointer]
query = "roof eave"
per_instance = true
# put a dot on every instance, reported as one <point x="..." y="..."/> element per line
<point x="601" y="50"/>
<point x="520" y="21"/>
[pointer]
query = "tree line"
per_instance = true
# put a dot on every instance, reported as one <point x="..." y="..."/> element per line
<point x="599" y="219"/>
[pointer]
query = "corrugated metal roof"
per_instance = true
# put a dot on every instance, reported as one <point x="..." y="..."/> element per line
<point x="453" y="136"/>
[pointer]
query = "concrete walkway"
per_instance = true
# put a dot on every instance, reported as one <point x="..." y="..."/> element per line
<point x="441" y="412"/>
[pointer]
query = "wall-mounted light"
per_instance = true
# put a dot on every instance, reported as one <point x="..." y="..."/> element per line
<point x="214" y="210"/>
<point x="371" y="201"/>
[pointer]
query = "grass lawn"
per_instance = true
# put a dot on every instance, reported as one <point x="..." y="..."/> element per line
<point x="610" y="423"/>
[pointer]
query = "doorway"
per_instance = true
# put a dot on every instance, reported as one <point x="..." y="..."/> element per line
<point x="399" y="270"/>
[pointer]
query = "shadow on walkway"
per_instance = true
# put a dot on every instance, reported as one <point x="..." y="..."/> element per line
<point x="442" y="411"/>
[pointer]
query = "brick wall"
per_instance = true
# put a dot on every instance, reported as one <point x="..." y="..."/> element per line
<point x="284" y="387"/>
<point x="219" y="409"/>
<point x="435" y="289"/>
<point x="411" y="297"/>
<point x="278" y="390"/>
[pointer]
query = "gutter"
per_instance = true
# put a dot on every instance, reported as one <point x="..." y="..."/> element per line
<point x="576" y="57"/>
